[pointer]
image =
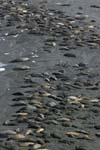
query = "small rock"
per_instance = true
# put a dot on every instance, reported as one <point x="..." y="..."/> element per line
<point x="26" y="144"/>
<point x="22" y="114"/>
<point x="64" y="48"/>
<point x="18" y="94"/>
<point x="37" y="146"/>
<point x="72" y="134"/>
<point x="21" y="67"/>
<point x="18" y="137"/>
<point x="63" y="119"/>
<point x="40" y="130"/>
<point x="54" y="122"/>
<point x="95" y="6"/>
<point x="97" y="127"/>
<point x="70" y="55"/>
<point x="22" y="59"/>
<point x="82" y="64"/>
<point x="52" y="104"/>
<point x="29" y="132"/>
<point x="53" y="78"/>
<point x="98" y="134"/>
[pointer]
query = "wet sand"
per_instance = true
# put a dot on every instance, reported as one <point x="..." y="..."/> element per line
<point x="56" y="72"/>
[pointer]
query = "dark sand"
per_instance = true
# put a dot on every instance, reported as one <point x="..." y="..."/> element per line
<point x="52" y="61"/>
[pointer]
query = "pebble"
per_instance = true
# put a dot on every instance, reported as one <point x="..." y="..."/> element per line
<point x="97" y="127"/>
<point x="63" y="4"/>
<point x="95" y="6"/>
<point x="52" y="104"/>
<point x="70" y="55"/>
<point x="29" y="132"/>
<point x="37" y="146"/>
<point x="22" y="59"/>
<point x="21" y="67"/>
<point x="98" y="134"/>
<point x="90" y="27"/>
<point x="40" y="130"/>
<point x="63" y="119"/>
<point x="72" y="134"/>
<point x="64" y="48"/>
<point x="82" y="64"/>
<point x="18" y="137"/>
<point x="26" y="144"/>
<point x="22" y="114"/>
<point x="53" y="78"/>
<point x="54" y="122"/>
<point x="76" y="31"/>
<point x="44" y="93"/>
<point x="18" y="94"/>
<point x="74" y="99"/>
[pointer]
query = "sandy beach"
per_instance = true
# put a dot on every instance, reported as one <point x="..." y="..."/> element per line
<point x="49" y="75"/>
